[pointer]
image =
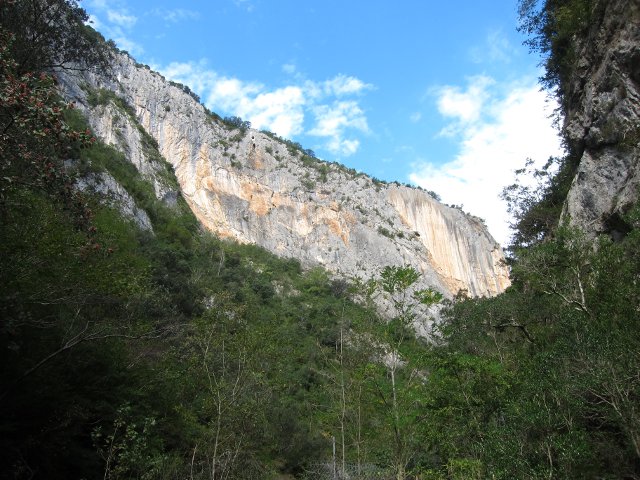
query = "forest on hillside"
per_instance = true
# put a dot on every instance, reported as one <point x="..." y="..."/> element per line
<point x="171" y="354"/>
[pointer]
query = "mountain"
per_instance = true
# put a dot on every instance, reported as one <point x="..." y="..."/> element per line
<point x="253" y="187"/>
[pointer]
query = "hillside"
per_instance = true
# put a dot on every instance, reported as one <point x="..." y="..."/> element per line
<point x="252" y="187"/>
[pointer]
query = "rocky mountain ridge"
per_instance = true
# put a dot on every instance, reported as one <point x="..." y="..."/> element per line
<point x="248" y="186"/>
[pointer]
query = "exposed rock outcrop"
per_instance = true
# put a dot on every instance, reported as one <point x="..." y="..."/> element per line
<point x="115" y="195"/>
<point x="602" y="122"/>
<point x="248" y="186"/>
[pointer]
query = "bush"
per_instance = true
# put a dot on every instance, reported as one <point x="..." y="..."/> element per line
<point x="236" y="122"/>
<point x="383" y="231"/>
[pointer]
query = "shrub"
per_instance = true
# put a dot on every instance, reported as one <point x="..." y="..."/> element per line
<point x="383" y="231"/>
<point x="236" y="122"/>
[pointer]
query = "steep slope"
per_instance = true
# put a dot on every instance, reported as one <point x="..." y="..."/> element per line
<point x="602" y="123"/>
<point x="254" y="188"/>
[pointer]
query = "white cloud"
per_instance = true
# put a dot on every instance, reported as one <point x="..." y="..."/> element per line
<point x="246" y="4"/>
<point x="500" y="134"/>
<point x="343" y="147"/>
<point x="344" y="85"/>
<point x="496" y="48"/>
<point x="176" y="15"/>
<point x="280" y="110"/>
<point x="194" y="74"/>
<point x="332" y="121"/>
<point x="121" y="18"/>
<point x="125" y="43"/>
<point x="94" y="22"/>
<point x="464" y="106"/>
<point x="415" y="117"/>
<point x="119" y="36"/>
<point x="283" y="110"/>
<point x="117" y="23"/>
<point x="99" y="3"/>
<point x="289" y="68"/>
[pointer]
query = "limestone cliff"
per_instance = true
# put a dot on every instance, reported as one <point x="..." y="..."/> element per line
<point x="602" y="123"/>
<point x="248" y="186"/>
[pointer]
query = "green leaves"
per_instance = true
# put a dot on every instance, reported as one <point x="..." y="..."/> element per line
<point x="545" y="372"/>
<point x="52" y="34"/>
<point x="428" y="296"/>
<point x="398" y="279"/>
<point x="554" y="27"/>
<point x="129" y="447"/>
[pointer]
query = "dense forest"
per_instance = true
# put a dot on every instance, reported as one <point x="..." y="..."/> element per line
<point x="170" y="354"/>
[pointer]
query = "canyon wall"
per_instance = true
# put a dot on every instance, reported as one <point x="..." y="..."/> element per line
<point x="248" y="186"/>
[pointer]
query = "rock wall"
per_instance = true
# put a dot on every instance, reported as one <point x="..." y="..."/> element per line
<point x="250" y="187"/>
<point x="115" y="195"/>
<point x="602" y="121"/>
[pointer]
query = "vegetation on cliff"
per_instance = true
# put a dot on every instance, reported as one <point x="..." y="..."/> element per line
<point x="172" y="354"/>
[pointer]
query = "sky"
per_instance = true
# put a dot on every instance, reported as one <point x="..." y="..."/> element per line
<point x="442" y="95"/>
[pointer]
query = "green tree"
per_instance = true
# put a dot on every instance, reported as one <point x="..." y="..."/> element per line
<point x="33" y="134"/>
<point x="237" y="122"/>
<point x="50" y="35"/>
<point x="552" y="28"/>
<point x="397" y="369"/>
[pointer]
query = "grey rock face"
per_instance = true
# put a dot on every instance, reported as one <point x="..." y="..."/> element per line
<point x="115" y="195"/>
<point x="250" y="187"/>
<point x="603" y="121"/>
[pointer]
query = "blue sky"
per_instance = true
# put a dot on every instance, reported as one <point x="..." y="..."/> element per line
<point x="437" y="94"/>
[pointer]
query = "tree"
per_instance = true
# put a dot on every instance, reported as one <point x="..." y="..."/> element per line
<point x="398" y="379"/>
<point x="220" y="393"/>
<point x="51" y="35"/>
<point x="553" y="26"/>
<point x="34" y="137"/>
<point x="541" y="381"/>
<point x="237" y="122"/>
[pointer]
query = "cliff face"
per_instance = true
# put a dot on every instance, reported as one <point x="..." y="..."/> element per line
<point x="250" y="187"/>
<point x="602" y="121"/>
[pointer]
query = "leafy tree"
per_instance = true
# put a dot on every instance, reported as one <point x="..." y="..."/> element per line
<point x="237" y="122"/>
<point x="552" y="27"/>
<point x="540" y="354"/>
<point x="52" y="34"/>
<point x="397" y="369"/>
<point x="536" y="208"/>
<point x="34" y="136"/>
